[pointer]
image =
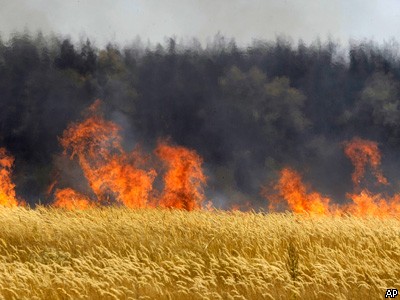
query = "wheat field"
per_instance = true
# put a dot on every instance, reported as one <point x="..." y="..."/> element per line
<point x="118" y="253"/>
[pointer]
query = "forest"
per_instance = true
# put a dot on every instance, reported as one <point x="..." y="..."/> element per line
<point x="247" y="111"/>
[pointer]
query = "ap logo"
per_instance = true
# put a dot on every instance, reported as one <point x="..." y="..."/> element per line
<point x="391" y="293"/>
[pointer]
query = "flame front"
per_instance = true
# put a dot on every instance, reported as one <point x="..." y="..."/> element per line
<point x="113" y="173"/>
<point x="70" y="199"/>
<point x="7" y="188"/>
<point x="184" y="179"/>
<point x="367" y="203"/>
<point x="291" y="190"/>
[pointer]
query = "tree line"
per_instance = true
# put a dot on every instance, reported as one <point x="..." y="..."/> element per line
<point x="248" y="111"/>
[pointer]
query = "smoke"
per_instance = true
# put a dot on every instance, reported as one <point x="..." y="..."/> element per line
<point x="119" y="21"/>
<point x="247" y="112"/>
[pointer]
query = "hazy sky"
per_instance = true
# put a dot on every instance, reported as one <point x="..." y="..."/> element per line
<point x="122" y="20"/>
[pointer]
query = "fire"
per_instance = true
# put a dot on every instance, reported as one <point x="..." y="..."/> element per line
<point x="70" y="199"/>
<point x="113" y="173"/>
<point x="125" y="177"/>
<point x="7" y="188"/>
<point x="110" y="171"/>
<point x="291" y="188"/>
<point x="184" y="179"/>
<point x="362" y="152"/>
<point x="130" y="185"/>
<point x="367" y="203"/>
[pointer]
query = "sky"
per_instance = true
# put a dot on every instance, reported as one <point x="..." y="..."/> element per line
<point x="122" y="21"/>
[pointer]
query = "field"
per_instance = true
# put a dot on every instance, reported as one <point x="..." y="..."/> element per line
<point x="119" y="253"/>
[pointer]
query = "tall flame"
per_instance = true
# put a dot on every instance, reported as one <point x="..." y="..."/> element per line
<point x="114" y="174"/>
<point x="110" y="171"/>
<point x="291" y="188"/>
<point x="361" y="153"/>
<point x="184" y="179"/>
<point x="7" y="188"/>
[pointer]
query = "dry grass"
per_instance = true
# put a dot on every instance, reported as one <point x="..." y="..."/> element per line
<point x="117" y="253"/>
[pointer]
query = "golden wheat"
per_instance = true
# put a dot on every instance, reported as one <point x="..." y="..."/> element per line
<point x="118" y="253"/>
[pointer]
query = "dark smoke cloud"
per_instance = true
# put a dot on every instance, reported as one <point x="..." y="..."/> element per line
<point x="247" y="111"/>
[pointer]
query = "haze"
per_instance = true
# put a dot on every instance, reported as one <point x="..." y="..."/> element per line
<point x="121" y="21"/>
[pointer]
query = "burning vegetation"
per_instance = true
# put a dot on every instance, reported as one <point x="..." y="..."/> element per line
<point x="116" y="176"/>
<point x="297" y="195"/>
<point x="184" y="178"/>
<point x="257" y="123"/>
<point x="110" y="171"/>
<point x="290" y="191"/>
<point x="7" y="187"/>
<point x="71" y="199"/>
<point x="248" y="114"/>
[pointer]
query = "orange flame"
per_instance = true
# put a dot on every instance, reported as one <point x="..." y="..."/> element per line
<point x="113" y="173"/>
<point x="367" y="203"/>
<point x="7" y="188"/>
<point x="110" y="171"/>
<point x="70" y="199"/>
<point x="291" y="188"/>
<point x="362" y="152"/>
<point x="184" y="179"/>
<point x="130" y="185"/>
